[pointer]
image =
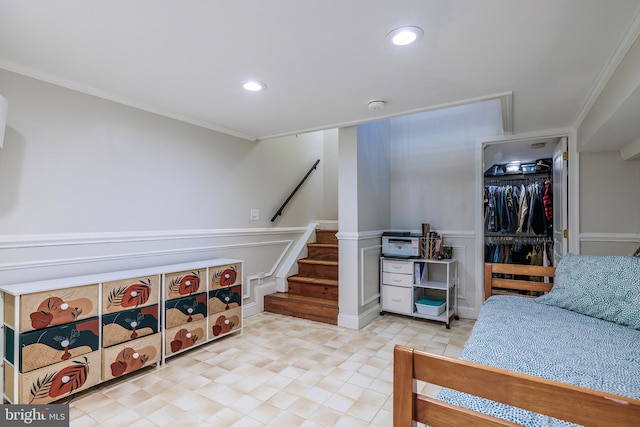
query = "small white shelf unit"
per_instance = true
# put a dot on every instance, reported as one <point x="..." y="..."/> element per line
<point x="403" y="282"/>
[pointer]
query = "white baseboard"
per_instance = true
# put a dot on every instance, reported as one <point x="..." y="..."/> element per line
<point x="257" y="306"/>
<point x="360" y="321"/>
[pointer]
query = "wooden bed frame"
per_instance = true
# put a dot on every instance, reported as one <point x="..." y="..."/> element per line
<point x="491" y="284"/>
<point x="564" y="401"/>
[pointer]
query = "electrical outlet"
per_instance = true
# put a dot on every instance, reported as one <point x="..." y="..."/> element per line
<point x="255" y="214"/>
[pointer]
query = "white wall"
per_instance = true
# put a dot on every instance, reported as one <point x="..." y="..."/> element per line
<point x="72" y="162"/>
<point x="364" y="211"/>
<point x="330" y="173"/>
<point x="609" y="204"/>
<point x="89" y="185"/>
<point x="374" y="178"/>
<point x="434" y="172"/>
<point x="433" y="165"/>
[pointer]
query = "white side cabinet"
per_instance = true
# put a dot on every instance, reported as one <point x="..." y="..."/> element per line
<point x="404" y="282"/>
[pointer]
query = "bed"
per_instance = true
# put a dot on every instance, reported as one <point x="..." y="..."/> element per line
<point x="568" y="357"/>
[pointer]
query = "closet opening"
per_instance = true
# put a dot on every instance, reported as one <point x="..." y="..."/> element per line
<point x="524" y="210"/>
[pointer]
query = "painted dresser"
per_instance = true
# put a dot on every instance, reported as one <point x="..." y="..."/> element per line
<point x="65" y="335"/>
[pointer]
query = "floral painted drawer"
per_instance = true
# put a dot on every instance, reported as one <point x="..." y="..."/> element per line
<point x="125" y="358"/>
<point x="224" y="276"/>
<point x="185" y="336"/>
<point x="58" y="343"/>
<point x="224" y="299"/>
<point x="44" y="309"/>
<point x="185" y="310"/>
<point x="130" y="324"/>
<point x="224" y="323"/>
<point x="60" y="380"/>
<point x="180" y="284"/>
<point x="126" y="294"/>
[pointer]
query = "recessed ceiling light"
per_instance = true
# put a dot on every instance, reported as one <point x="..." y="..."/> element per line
<point x="254" y="86"/>
<point x="405" y="35"/>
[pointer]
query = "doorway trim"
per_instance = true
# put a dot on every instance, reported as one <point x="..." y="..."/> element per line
<point x="572" y="196"/>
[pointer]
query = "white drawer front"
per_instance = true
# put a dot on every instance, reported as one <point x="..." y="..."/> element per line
<point x="397" y="300"/>
<point x="404" y="267"/>
<point x="405" y="280"/>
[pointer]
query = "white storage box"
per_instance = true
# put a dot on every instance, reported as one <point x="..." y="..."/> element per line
<point x="430" y="306"/>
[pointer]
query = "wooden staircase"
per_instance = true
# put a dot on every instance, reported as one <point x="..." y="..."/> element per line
<point x="313" y="292"/>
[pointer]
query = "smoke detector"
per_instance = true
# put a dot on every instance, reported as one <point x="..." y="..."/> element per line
<point x="377" y="104"/>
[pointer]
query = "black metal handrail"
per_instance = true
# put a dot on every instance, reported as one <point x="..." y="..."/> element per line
<point x="279" y="212"/>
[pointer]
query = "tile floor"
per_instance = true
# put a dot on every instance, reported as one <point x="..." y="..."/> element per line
<point x="280" y="371"/>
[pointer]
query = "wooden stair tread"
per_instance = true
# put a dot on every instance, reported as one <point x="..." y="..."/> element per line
<point x="314" y="280"/>
<point x="313" y="292"/>
<point x="317" y="261"/>
<point x="302" y="298"/>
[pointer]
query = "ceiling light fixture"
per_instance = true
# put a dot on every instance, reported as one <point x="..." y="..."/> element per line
<point x="405" y="35"/>
<point x="377" y="104"/>
<point x="254" y="86"/>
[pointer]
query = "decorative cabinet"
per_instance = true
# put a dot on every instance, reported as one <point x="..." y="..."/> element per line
<point x="407" y="282"/>
<point x="225" y="301"/>
<point x="62" y="336"/>
<point x="131" y="338"/>
<point x="185" y="322"/>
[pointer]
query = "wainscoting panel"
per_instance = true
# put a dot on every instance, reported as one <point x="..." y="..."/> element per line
<point x="28" y="258"/>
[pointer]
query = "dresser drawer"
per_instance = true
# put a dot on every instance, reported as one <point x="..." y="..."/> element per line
<point x="393" y="266"/>
<point x="44" y="309"/>
<point x="397" y="299"/>
<point x="224" y="323"/>
<point x="59" y="380"/>
<point x="128" y="325"/>
<point x="185" y="310"/>
<point x="126" y="294"/>
<point x="125" y="358"/>
<point x="58" y="343"/>
<point x="224" y="299"/>
<point x="395" y="279"/>
<point x="224" y="276"/>
<point x="185" y="336"/>
<point x="183" y="283"/>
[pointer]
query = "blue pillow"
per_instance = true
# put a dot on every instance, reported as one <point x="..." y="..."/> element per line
<point x="606" y="287"/>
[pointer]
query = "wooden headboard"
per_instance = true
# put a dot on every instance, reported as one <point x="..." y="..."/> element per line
<point x="524" y="281"/>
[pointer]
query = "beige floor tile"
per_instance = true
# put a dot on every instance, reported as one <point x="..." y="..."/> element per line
<point x="104" y="413"/>
<point x="82" y="420"/>
<point x="280" y="371"/>
<point x="326" y="417"/>
<point x="339" y="402"/>
<point x="286" y="419"/>
<point x="266" y="412"/>
<point x="165" y="414"/>
<point x="303" y="407"/>
<point x="224" y="417"/>
<point x="122" y="418"/>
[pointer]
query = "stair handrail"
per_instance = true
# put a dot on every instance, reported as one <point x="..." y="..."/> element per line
<point x="279" y="211"/>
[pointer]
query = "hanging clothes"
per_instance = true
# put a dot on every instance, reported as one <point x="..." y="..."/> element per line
<point x="547" y="200"/>
<point x="514" y="209"/>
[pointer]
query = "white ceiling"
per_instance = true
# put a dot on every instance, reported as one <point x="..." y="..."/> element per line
<point x="322" y="60"/>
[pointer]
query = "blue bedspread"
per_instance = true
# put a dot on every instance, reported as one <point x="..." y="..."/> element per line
<point x="522" y="335"/>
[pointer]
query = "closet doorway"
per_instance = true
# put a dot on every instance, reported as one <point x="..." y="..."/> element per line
<point x="524" y="204"/>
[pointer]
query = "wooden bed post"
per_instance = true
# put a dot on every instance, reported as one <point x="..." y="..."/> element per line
<point x="403" y="402"/>
<point x="487" y="281"/>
